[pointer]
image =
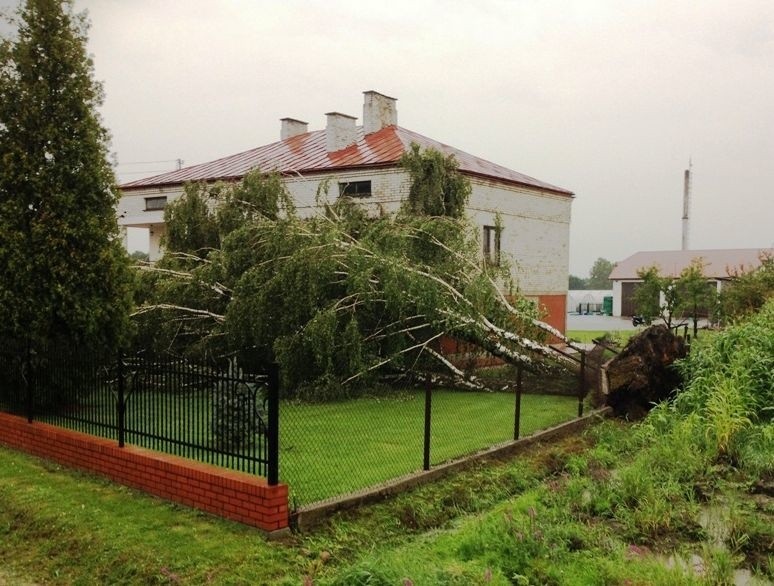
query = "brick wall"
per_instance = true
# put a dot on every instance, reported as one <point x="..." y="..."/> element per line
<point x="555" y="307"/>
<point x="226" y="493"/>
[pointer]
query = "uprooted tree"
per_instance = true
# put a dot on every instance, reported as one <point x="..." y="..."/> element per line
<point x="340" y="299"/>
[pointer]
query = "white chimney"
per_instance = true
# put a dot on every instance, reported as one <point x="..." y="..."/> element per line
<point x="378" y="111"/>
<point x="292" y="127"/>
<point x="340" y="131"/>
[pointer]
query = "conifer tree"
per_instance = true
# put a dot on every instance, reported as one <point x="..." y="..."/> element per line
<point x="64" y="271"/>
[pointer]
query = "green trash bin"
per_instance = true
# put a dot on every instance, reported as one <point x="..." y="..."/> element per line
<point x="607" y="305"/>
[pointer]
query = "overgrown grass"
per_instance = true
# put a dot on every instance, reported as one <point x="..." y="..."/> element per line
<point x="624" y="505"/>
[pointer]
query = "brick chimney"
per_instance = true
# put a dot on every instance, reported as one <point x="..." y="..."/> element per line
<point x="292" y="127"/>
<point x="340" y="131"/>
<point x="378" y="111"/>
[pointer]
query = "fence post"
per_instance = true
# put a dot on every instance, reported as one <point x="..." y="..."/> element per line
<point x="517" y="407"/>
<point x="121" y="404"/>
<point x="428" y="412"/>
<point x="29" y="383"/>
<point x="272" y="440"/>
<point x="582" y="386"/>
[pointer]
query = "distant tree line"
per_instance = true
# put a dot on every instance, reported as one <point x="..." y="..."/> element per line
<point x="598" y="279"/>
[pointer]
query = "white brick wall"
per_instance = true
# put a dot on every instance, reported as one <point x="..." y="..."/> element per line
<point x="536" y="225"/>
<point x="536" y="233"/>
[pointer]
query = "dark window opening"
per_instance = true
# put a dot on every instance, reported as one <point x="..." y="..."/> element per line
<point x="355" y="189"/>
<point x="492" y="245"/>
<point x="155" y="203"/>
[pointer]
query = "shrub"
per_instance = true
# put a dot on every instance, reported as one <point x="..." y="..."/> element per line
<point x="237" y="410"/>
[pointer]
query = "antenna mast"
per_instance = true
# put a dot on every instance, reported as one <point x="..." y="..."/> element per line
<point x="686" y="203"/>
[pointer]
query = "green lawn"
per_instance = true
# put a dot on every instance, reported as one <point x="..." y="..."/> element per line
<point x="330" y="449"/>
<point x="587" y="336"/>
<point x="336" y="448"/>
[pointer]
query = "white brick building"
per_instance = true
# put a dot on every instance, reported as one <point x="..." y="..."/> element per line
<point x="363" y="161"/>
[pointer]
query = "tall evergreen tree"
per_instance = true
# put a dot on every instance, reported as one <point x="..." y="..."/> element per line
<point x="64" y="271"/>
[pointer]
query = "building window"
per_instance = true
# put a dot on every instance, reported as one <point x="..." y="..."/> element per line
<point x="492" y="245"/>
<point x="355" y="189"/>
<point x="153" y="204"/>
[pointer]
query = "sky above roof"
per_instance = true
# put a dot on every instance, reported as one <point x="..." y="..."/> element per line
<point x="607" y="99"/>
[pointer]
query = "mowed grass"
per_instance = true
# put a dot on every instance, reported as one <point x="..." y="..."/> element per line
<point x="588" y="336"/>
<point x="337" y="448"/>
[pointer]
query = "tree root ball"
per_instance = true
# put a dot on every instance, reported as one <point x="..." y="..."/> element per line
<point x="644" y="374"/>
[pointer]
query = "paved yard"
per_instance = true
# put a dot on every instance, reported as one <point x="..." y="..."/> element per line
<point x="602" y="323"/>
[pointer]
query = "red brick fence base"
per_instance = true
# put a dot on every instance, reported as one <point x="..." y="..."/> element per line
<point x="226" y="493"/>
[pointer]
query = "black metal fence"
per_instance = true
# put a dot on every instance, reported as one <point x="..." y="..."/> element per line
<point x="219" y="415"/>
<point x="322" y="450"/>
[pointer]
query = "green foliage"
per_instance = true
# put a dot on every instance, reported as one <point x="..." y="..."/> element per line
<point x="694" y="293"/>
<point x="190" y="221"/>
<point x="338" y="299"/>
<point x="687" y="295"/>
<point x="647" y="295"/>
<point x="139" y="256"/>
<point x="437" y="188"/>
<point x="577" y="283"/>
<point x="599" y="275"/>
<point x="208" y="248"/>
<point x="747" y="291"/>
<point x="237" y="410"/>
<point x="58" y="231"/>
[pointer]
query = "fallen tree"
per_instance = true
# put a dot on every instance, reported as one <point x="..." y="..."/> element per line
<point x="340" y="299"/>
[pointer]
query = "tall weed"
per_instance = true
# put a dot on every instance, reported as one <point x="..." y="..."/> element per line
<point x="730" y="386"/>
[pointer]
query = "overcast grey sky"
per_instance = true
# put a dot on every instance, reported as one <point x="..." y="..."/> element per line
<point x="606" y="98"/>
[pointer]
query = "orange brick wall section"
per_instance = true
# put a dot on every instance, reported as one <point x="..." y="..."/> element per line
<point x="555" y="308"/>
<point x="226" y="493"/>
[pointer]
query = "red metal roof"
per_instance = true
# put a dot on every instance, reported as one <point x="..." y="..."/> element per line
<point x="306" y="153"/>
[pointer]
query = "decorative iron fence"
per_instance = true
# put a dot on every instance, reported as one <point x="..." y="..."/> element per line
<point x="323" y="450"/>
<point x="218" y="415"/>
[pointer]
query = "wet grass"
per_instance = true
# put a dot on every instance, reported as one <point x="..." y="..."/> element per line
<point x="624" y="504"/>
<point x="558" y="514"/>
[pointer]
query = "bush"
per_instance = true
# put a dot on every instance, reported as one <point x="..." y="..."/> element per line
<point x="238" y="413"/>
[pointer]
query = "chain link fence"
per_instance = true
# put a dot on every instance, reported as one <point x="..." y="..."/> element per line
<point x="338" y="448"/>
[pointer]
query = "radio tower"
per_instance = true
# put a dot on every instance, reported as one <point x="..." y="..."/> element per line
<point x="686" y="203"/>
